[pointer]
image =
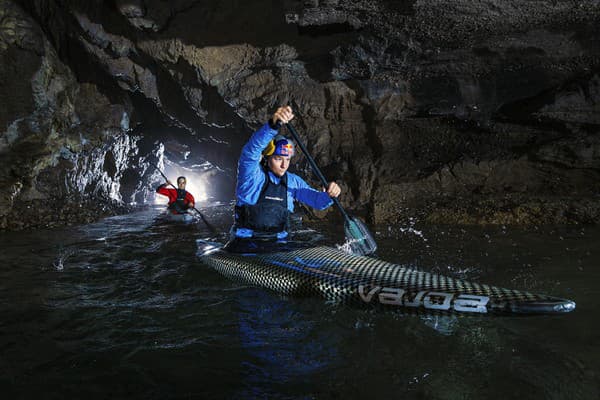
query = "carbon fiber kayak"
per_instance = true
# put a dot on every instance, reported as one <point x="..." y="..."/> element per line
<point x="186" y="218"/>
<point x="182" y="218"/>
<point x="368" y="282"/>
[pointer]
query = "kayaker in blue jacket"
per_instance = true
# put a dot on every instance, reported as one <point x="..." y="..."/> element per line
<point x="265" y="190"/>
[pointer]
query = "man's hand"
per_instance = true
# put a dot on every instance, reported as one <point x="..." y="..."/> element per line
<point x="333" y="190"/>
<point x="169" y="183"/>
<point x="283" y="114"/>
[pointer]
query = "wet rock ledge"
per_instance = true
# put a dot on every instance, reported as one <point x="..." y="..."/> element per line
<point x="450" y="111"/>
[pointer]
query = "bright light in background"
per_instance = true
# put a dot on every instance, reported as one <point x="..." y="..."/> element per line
<point x="195" y="183"/>
<point x="196" y="188"/>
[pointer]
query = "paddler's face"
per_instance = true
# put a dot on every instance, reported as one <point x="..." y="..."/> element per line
<point x="181" y="184"/>
<point x="279" y="164"/>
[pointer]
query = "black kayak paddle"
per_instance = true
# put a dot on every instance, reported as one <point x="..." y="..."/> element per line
<point x="359" y="238"/>
<point x="208" y="225"/>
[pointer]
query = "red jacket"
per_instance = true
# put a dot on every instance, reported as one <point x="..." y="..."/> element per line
<point x="176" y="207"/>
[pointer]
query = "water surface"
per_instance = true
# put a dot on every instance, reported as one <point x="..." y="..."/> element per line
<point x="123" y="309"/>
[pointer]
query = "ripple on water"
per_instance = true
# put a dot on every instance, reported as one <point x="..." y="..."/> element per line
<point x="125" y="304"/>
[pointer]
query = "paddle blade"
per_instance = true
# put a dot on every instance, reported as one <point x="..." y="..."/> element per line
<point x="359" y="239"/>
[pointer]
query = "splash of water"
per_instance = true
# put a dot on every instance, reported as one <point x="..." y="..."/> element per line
<point x="63" y="256"/>
<point x="347" y="246"/>
<point x="410" y="229"/>
<point x="414" y="232"/>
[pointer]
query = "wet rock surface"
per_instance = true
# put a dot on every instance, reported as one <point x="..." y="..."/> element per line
<point x="453" y="111"/>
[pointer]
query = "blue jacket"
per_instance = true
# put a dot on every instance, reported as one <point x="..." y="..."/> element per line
<point x="251" y="179"/>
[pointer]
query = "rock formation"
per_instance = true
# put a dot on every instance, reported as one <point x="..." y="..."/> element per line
<point x="452" y="111"/>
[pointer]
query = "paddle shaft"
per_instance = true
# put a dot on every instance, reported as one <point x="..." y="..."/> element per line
<point x="316" y="169"/>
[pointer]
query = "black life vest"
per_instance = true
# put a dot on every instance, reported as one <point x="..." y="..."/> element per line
<point x="270" y="214"/>
<point x="179" y="205"/>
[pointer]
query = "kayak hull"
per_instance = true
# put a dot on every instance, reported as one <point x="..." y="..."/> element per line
<point x="183" y="218"/>
<point x="368" y="282"/>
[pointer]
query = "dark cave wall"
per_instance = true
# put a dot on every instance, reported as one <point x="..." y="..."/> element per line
<point x="58" y="133"/>
<point x="453" y="111"/>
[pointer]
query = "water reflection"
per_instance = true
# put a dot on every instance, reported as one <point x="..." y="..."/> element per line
<point x="285" y="347"/>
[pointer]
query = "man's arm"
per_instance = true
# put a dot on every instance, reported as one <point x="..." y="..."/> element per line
<point x="162" y="189"/>
<point x="305" y="194"/>
<point x="249" y="163"/>
<point x="189" y="198"/>
<point x="250" y="176"/>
